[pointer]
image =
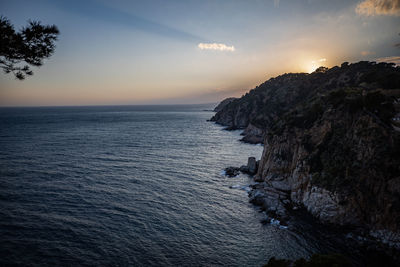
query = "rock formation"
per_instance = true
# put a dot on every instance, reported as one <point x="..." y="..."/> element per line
<point x="330" y="145"/>
<point x="251" y="168"/>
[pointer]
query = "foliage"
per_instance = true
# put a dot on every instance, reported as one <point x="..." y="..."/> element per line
<point x="269" y="102"/>
<point x="31" y="45"/>
<point x="321" y="69"/>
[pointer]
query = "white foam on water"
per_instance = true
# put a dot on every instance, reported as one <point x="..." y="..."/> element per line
<point x="241" y="187"/>
<point x="246" y="188"/>
<point x="277" y="223"/>
<point x="274" y="222"/>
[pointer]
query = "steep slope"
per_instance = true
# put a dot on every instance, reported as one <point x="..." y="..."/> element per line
<point x="330" y="145"/>
<point x="263" y="105"/>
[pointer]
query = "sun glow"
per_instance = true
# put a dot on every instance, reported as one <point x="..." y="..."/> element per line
<point x="315" y="64"/>
<point x="312" y="67"/>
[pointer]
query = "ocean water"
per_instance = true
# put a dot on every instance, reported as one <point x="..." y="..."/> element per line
<point x="131" y="186"/>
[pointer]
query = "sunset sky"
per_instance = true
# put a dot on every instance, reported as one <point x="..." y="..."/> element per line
<point x="182" y="52"/>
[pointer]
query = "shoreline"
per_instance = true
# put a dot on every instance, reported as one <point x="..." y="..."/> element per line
<point x="329" y="147"/>
<point x="356" y="244"/>
<point x="282" y="212"/>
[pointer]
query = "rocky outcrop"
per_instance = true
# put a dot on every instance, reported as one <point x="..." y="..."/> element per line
<point x="253" y="135"/>
<point x="343" y="166"/>
<point x="330" y="145"/>
<point x="232" y="171"/>
<point x="252" y="165"/>
<point x="274" y="201"/>
<point x="251" y="168"/>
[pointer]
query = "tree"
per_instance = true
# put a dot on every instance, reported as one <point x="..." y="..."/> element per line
<point x="31" y="45"/>
<point x="321" y="69"/>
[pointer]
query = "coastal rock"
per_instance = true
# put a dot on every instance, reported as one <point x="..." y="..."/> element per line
<point x="253" y="135"/>
<point x="232" y="171"/>
<point x="324" y="205"/>
<point x="273" y="201"/>
<point x="387" y="237"/>
<point x="244" y="169"/>
<point x="329" y="145"/>
<point x="252" y="165"/>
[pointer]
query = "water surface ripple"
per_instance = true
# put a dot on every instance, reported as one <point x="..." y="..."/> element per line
<point x="129" y="185"/>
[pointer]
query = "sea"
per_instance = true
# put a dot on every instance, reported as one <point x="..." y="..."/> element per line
<point x="132" y="186"/>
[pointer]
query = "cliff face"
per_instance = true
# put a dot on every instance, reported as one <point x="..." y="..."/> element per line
<point x="344" y="167"/>
<point x="330" y="145"/>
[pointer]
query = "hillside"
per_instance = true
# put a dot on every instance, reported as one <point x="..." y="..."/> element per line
<point x="331" y="145"/>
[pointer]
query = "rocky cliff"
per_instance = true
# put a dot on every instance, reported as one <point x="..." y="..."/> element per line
<point x="331" y="145"/>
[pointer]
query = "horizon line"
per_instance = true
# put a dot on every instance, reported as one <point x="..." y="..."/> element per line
<point x="107" y="105"/>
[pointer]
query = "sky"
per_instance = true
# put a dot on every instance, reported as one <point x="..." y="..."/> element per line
<point x="187" y="52"/>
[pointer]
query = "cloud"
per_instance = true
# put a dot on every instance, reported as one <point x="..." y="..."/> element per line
<point x="215" y="46"/>
<point x="319" y="60"/>
<point x="379" y="7"/>
<point x="393" y="59"/>
<point x="367" y="53"/>
<point x="276" y="3"/>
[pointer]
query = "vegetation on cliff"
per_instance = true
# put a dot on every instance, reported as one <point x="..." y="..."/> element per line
<point x="331" y="142"/>
<point x="267" y="103"/>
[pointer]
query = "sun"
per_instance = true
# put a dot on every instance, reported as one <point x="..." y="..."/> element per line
<point x="312" y="65"/>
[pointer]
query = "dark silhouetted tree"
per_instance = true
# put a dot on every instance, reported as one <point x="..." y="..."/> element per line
<point x="30" y="46"/>
<point x="321" y="69"/>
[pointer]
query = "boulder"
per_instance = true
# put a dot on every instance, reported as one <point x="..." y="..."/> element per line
<point x="244" y="168"/>
<point x="273" y="201"/>
<point x="232" y="171"/>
